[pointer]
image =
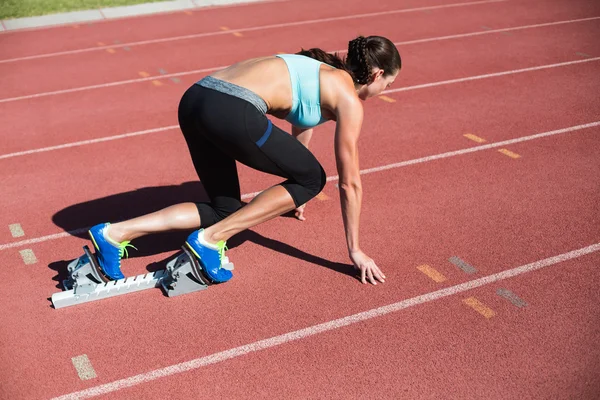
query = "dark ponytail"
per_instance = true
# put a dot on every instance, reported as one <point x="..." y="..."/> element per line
<point x="364" y="54"/>
<point x="332" y="59"/>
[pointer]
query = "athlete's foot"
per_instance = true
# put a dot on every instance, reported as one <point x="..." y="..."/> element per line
<point x="108" y="251"/>
<point x="211" y="256"/>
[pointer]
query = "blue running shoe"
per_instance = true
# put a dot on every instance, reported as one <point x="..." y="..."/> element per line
<point x="210" y="257"/>
<point x="108" y="252"/>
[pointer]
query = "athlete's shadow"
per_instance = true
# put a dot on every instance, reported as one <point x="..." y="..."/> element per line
<point x="77" y="218"/>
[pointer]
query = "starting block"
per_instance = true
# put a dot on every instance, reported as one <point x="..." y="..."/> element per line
<point x="86" y="282"/>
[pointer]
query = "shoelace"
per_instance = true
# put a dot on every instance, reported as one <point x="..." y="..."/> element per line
<point x="221" y="246"/>
<point x="123" y="248"/>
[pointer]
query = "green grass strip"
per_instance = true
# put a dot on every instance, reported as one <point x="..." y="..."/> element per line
<point x="30" y="8"/>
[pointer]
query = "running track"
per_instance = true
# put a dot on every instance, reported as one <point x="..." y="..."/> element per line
<point x="89" y="134"/>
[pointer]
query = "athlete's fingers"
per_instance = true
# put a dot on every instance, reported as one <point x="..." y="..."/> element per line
<point x="363" y="272"/>
<point x="378" y="274"/>
<point x="370" y="274"/>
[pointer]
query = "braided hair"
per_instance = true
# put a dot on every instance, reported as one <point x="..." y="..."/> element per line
<point x="364" y="54"/>
<point x="357" y="61"/>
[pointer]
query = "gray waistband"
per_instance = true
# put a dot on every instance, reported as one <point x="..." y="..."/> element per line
<point x="234" y="90"/>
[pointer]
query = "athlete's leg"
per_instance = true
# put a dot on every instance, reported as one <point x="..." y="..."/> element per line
<point x="216" y="170"/>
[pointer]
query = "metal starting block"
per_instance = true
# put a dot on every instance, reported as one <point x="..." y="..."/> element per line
<point x="86" y="282"/>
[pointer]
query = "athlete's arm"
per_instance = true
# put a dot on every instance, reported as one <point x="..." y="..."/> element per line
<point x="303" y="135"/>
<point x="349" y="114"/>
<point x="349" y="121"/>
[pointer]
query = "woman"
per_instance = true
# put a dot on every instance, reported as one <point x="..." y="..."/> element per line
<point x="223" y="119"/>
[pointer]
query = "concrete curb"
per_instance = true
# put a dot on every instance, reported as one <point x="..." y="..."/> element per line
<point x="103" y="14"/>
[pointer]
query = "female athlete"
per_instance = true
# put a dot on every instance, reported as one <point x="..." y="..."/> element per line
<point x="223" y="118"/>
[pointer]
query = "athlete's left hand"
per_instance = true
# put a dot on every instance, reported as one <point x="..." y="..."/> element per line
<point x="300" y="212"/>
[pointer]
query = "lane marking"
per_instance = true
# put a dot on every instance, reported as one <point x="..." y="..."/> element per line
<point x="479" y="307"/>
<point x="320" y="328"/>
<point x="100" y="44"/>
<point x="162" y="71"/>
<point x="492" y="75"/>
<point x="329" y="178"/>
<point x="432" y="273"/>
<point x="322" y="196"/>
<point x="76" y="26"/>
<point x="474" y="138"/>
<point x="127" y="48"/>
<point x="111" y="51"/>
<point x="237" y="34"/>
<point x="258" y="28"/>
<point x="157" y="83"/>
<point x="176" y="80"/>
<point x="212" y="69"/>
<point x="84" y="368"/>
<point x="582" y="54"/>
<point x="28" y="256"/>
<point x="388" y="99"/>
<point x="513" y="298"/>
<point x="16" y="230"/>
<point x="92" y="141"/>
<point x="188" y="13"/>
<point x="9" y="155"/>
<point x="509" y="153"/>
<point x="144" y="74"/>
<point x="463" y="265"/>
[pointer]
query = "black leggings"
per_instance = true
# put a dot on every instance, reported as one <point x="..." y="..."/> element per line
<point x="219" y="129"/>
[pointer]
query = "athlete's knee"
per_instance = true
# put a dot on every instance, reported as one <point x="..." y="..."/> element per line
<point x="316" y="180"/>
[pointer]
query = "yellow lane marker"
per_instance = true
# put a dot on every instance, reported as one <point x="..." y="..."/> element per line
<point x="479" y="307"/>
<point x="157" y="83"/>
<point x="474" y="138"/>
<point x="28" y="256"/>
<point x="101" y="44"/>
<point x="111" y="51"/>
<point x="189" y="13"/>
<point x="509" y="153"/>
<point x="388" y="99"/>
<point x="144" y="74"/>
<point x="322" y="196"/>
<point x="16" y="230"/>
<point x="431" y="272"/>
<point x="225" y="28"/>
<point x="84" y="368"/>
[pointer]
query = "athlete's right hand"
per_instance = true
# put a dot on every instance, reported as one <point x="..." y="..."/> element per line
<point x="368" y="268"/>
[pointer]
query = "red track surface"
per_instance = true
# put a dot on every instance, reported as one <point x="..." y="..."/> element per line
<point x="495" y="212"/>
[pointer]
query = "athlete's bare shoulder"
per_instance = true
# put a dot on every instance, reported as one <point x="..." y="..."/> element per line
<point x="338" y="90"/>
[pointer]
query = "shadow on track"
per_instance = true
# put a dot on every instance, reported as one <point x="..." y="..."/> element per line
<point x="77" y="218"/>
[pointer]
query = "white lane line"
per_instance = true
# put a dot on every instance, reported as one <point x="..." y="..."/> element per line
<point x="423" y="86"/>
<point x="91" y="141"/>
<point x="324" y="327"/>
<point x="43" y="238"/>
<point x="84" y="367"/>
<point x="362" y="172"/>
<point x="255" y="28"/>
<point x="472" y="149"/>
<point x="212" y="69"/>
<point x="16" y="230"/>
<point x="492" y="75"/>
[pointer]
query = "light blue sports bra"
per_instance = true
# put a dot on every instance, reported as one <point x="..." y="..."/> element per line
<point x="306" y="95"/>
